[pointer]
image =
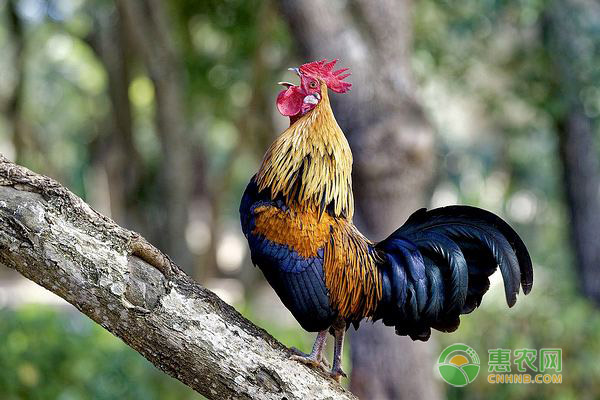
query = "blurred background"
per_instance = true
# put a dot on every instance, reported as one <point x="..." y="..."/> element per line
<point x="158" y="113"/>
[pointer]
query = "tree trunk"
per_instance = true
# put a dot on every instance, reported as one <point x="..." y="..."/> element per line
<point x="393" y="148"/>
<point x="148" y="23"/>
<point x="52" y="237"/>
<point x="572" y="40"/>
<point x="117" y="153"/>
<point x="15" y="101"/>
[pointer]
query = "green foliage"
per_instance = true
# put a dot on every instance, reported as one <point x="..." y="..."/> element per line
<point x="45" y="354"/>
<point x="490" y="56"/>
<point x="486" y="79"/>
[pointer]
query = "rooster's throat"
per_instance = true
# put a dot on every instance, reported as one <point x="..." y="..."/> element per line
<point x="310" y="164"/>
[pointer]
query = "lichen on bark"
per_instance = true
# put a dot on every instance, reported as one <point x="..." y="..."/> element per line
<point x="55" y="239"/>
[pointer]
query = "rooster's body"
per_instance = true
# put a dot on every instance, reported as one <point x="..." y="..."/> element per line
<point x="297" y="216"/>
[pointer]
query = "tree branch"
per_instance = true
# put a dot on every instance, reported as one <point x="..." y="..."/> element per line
<point x="55" y="239"/>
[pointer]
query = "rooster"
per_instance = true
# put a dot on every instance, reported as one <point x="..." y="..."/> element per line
<point x="296" y="214"/>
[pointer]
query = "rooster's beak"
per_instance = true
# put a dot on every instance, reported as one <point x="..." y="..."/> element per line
<point x="288" y="84"/>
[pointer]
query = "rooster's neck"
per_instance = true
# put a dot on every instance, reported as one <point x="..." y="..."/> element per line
<point x="310" y="163"/>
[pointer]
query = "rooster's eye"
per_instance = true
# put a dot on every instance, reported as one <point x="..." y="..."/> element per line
<point x="312" y="84"/>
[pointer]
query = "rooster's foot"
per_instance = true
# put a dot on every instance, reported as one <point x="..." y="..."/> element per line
<point x="309" y="359"/>
<point x="337" y="374"/>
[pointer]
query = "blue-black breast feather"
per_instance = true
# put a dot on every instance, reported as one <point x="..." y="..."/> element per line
<point x="298" y="281"/>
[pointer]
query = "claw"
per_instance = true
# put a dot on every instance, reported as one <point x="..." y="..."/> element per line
<point x="336" y="371"/>
<point x="311" y="362"/>
<point x="298" y="352"/>
<point x="337" y="374"/>
<point x="315" y="358"/>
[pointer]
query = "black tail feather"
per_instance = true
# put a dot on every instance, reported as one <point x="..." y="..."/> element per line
<point x="437" y="266"/>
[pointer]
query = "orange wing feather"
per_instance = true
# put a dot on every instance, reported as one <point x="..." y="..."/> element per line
<point x="351" y="274"/>
<point x="301" y="231"/>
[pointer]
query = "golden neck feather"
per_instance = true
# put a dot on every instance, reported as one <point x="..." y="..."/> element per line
<point x="310" y="163"/>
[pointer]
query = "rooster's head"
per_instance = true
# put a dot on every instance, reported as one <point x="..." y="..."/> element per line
<point x="295" y="101"/>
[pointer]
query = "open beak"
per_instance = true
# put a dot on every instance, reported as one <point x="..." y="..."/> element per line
<point x="288" y="84"/>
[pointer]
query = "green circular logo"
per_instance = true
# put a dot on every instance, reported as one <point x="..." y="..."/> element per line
<point x="458" y="365"/>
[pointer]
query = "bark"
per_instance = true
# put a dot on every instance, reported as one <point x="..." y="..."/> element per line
<point x="393" y="148"/>
<point x="149" y="26"/>
<point x="572" y="41"/>
<point x="55" y="239"/>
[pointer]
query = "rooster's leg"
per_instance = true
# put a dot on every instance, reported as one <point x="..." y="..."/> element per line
<point x="336" y="371"/>
<point x="315" y="358"/>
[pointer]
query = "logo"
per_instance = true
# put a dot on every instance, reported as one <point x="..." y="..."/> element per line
<point x="458" y="365"/>
<point x="532" y="366"/>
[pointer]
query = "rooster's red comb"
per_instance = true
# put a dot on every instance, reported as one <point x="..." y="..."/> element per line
<point x="324" y="70"/>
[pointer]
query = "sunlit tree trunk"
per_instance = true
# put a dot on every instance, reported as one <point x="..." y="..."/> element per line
<point x="256" y="131"/>
<point x="393" y="145"/>
<point x="149" y="25"/>
<point x="15" y="101"/>
<point x="572" y="40"/>
<point x="116" y="152"/>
